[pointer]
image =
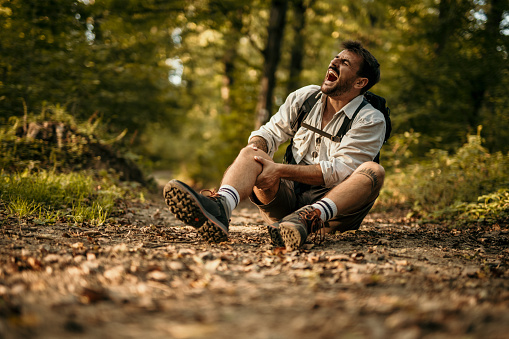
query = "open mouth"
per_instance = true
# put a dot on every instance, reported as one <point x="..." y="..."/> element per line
<point x="332" y="74"/>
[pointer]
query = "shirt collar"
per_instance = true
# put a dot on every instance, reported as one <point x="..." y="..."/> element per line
<point x="350" y="108"/>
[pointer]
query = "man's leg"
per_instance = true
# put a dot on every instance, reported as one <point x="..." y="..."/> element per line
<point x="355" y="193"/>
<point x="243" y="172"/>
<point x="210" y="215"/>
<point x="359" y="189"/>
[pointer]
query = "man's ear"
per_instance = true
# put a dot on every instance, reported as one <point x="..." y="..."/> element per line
<point x="361" y="83"/>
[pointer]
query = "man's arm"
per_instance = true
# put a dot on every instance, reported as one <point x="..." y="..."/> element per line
<point x="306" y="174"/>
<point x="278" y="129"/>
<point x="272" y="172"/>
<point x="259" y="143"/>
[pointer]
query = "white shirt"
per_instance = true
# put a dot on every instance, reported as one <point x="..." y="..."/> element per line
<point x="337" y="160"/>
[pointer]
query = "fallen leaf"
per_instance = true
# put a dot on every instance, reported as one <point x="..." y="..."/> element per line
<point x="91" y="295"/>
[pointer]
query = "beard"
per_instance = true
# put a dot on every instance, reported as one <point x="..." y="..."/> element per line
<point x="340" y="87"/>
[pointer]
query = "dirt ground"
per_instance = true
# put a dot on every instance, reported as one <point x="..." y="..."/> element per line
<point x="149" y="276"/>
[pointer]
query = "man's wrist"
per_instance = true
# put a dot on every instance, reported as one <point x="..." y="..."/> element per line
<point x="259" y="143"/>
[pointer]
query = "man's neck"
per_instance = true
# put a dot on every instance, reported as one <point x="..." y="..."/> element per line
<point x="337" y="103"/>
<point x="334" y="105"/>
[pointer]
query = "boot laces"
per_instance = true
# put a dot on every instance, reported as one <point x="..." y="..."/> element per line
<point x="314" y="224"/>
<point x="212" y="193"/>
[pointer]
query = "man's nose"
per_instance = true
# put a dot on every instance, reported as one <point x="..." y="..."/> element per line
<point x="334" y="62"/>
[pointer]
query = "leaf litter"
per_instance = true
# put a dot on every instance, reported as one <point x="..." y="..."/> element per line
<point x="148" y="275"/>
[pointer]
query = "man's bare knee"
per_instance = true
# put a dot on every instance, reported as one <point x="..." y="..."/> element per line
<point x="249" y="152"/>
<point x="375" y="172"/>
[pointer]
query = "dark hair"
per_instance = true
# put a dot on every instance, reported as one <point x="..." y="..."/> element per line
<point x="370" y="68"/>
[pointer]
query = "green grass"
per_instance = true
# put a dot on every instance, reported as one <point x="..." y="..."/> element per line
<point x="47" y="196"/>
<point x="49" y="180"/>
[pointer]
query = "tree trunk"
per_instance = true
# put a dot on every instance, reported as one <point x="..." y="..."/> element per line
<point x="299" y="22"/>
<point x="231" y="52"/>
<point x="444" y="24"/>
<point x="490" y="59"/>
<point x="271" y="55"/>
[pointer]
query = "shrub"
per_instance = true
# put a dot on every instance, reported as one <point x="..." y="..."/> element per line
<point x="445" y="180"/>
<point x="489" y="209"/>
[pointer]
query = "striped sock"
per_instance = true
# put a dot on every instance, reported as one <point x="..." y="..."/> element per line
<point x="232" y="197"/>
<point x="327" y="208"/>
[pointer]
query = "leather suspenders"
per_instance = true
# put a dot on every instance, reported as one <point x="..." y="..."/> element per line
<point x="342" y="130"/>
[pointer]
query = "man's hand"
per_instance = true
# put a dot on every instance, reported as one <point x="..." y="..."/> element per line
<point x="272" y="172"/>
<point x="269" y="176"/>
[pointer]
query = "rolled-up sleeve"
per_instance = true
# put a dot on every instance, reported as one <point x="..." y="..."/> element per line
<point x="360" y="144"/>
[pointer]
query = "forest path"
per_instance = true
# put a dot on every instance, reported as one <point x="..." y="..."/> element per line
<point x="150" y="276"/>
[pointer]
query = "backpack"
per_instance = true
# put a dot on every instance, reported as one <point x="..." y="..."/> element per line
<point x="376" y="101"/>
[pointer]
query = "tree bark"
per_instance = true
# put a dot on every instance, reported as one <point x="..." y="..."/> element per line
<point x="229" y="57"/>
<point x="490" y="59"/>
<point x="297" y="54"/>
<point x="444" y="24"/>
<point x="271" y="53"/>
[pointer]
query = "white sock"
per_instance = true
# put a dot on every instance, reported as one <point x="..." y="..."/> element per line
<point x="232" y="197"/>
<point x="327" y="208"/>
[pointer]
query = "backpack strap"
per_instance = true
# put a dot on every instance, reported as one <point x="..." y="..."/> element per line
<point x="306" y="107"/>
<point x="304" y="110"/>
<point x="347" y="124"/>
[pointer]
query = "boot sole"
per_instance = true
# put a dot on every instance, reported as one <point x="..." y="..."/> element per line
<point x="186" y="208"/>
<point x="275" y="236"/>
<point x="212" y="232"/>
<point x="291" y="236"/>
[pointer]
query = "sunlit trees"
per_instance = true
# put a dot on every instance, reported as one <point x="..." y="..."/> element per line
<point x="190" y="78"/>
<point x="453" y="64"/>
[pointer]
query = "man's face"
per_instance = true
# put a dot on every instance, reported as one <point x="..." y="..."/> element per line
<point x="341" y="74"/>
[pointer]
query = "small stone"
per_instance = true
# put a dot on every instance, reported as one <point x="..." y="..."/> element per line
<point x="79" y="259"/>
<point x="157" y="275"/>
<point x="115" y="274"/>
<point x="176" y="266"/>
<point x="77" y="245"/>
<point x="51" y="258"/>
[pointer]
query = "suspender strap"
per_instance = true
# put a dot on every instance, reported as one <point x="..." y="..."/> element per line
<point x="304" y="110"/>
<point x="344" y="127"/>
<point x="334" y="138"/>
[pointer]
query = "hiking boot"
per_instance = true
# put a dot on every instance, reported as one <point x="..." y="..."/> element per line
<point x="295" y="228"/>
<point x="205" y="213"/>
<point x="275" y="236"/>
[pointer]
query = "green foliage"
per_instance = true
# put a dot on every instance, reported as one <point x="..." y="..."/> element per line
<point x="449" y="66"/>
<point x="52" y="169"/>
<point x="400" y="150"/>
<point x="81" y="55"/>
<point x="489" y="209"/>
<point x="445" y="180"/>
<point x="48" y="196"/>
<point x="180" y="79"/>
<point x="53" y="140"/>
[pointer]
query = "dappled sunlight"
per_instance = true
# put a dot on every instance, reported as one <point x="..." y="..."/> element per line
<point x="103" y="102"/>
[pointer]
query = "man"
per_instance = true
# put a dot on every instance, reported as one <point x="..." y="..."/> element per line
<point x="331" y="183"/>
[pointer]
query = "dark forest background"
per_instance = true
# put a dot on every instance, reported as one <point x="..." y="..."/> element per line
<point x="184" y="82"/>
